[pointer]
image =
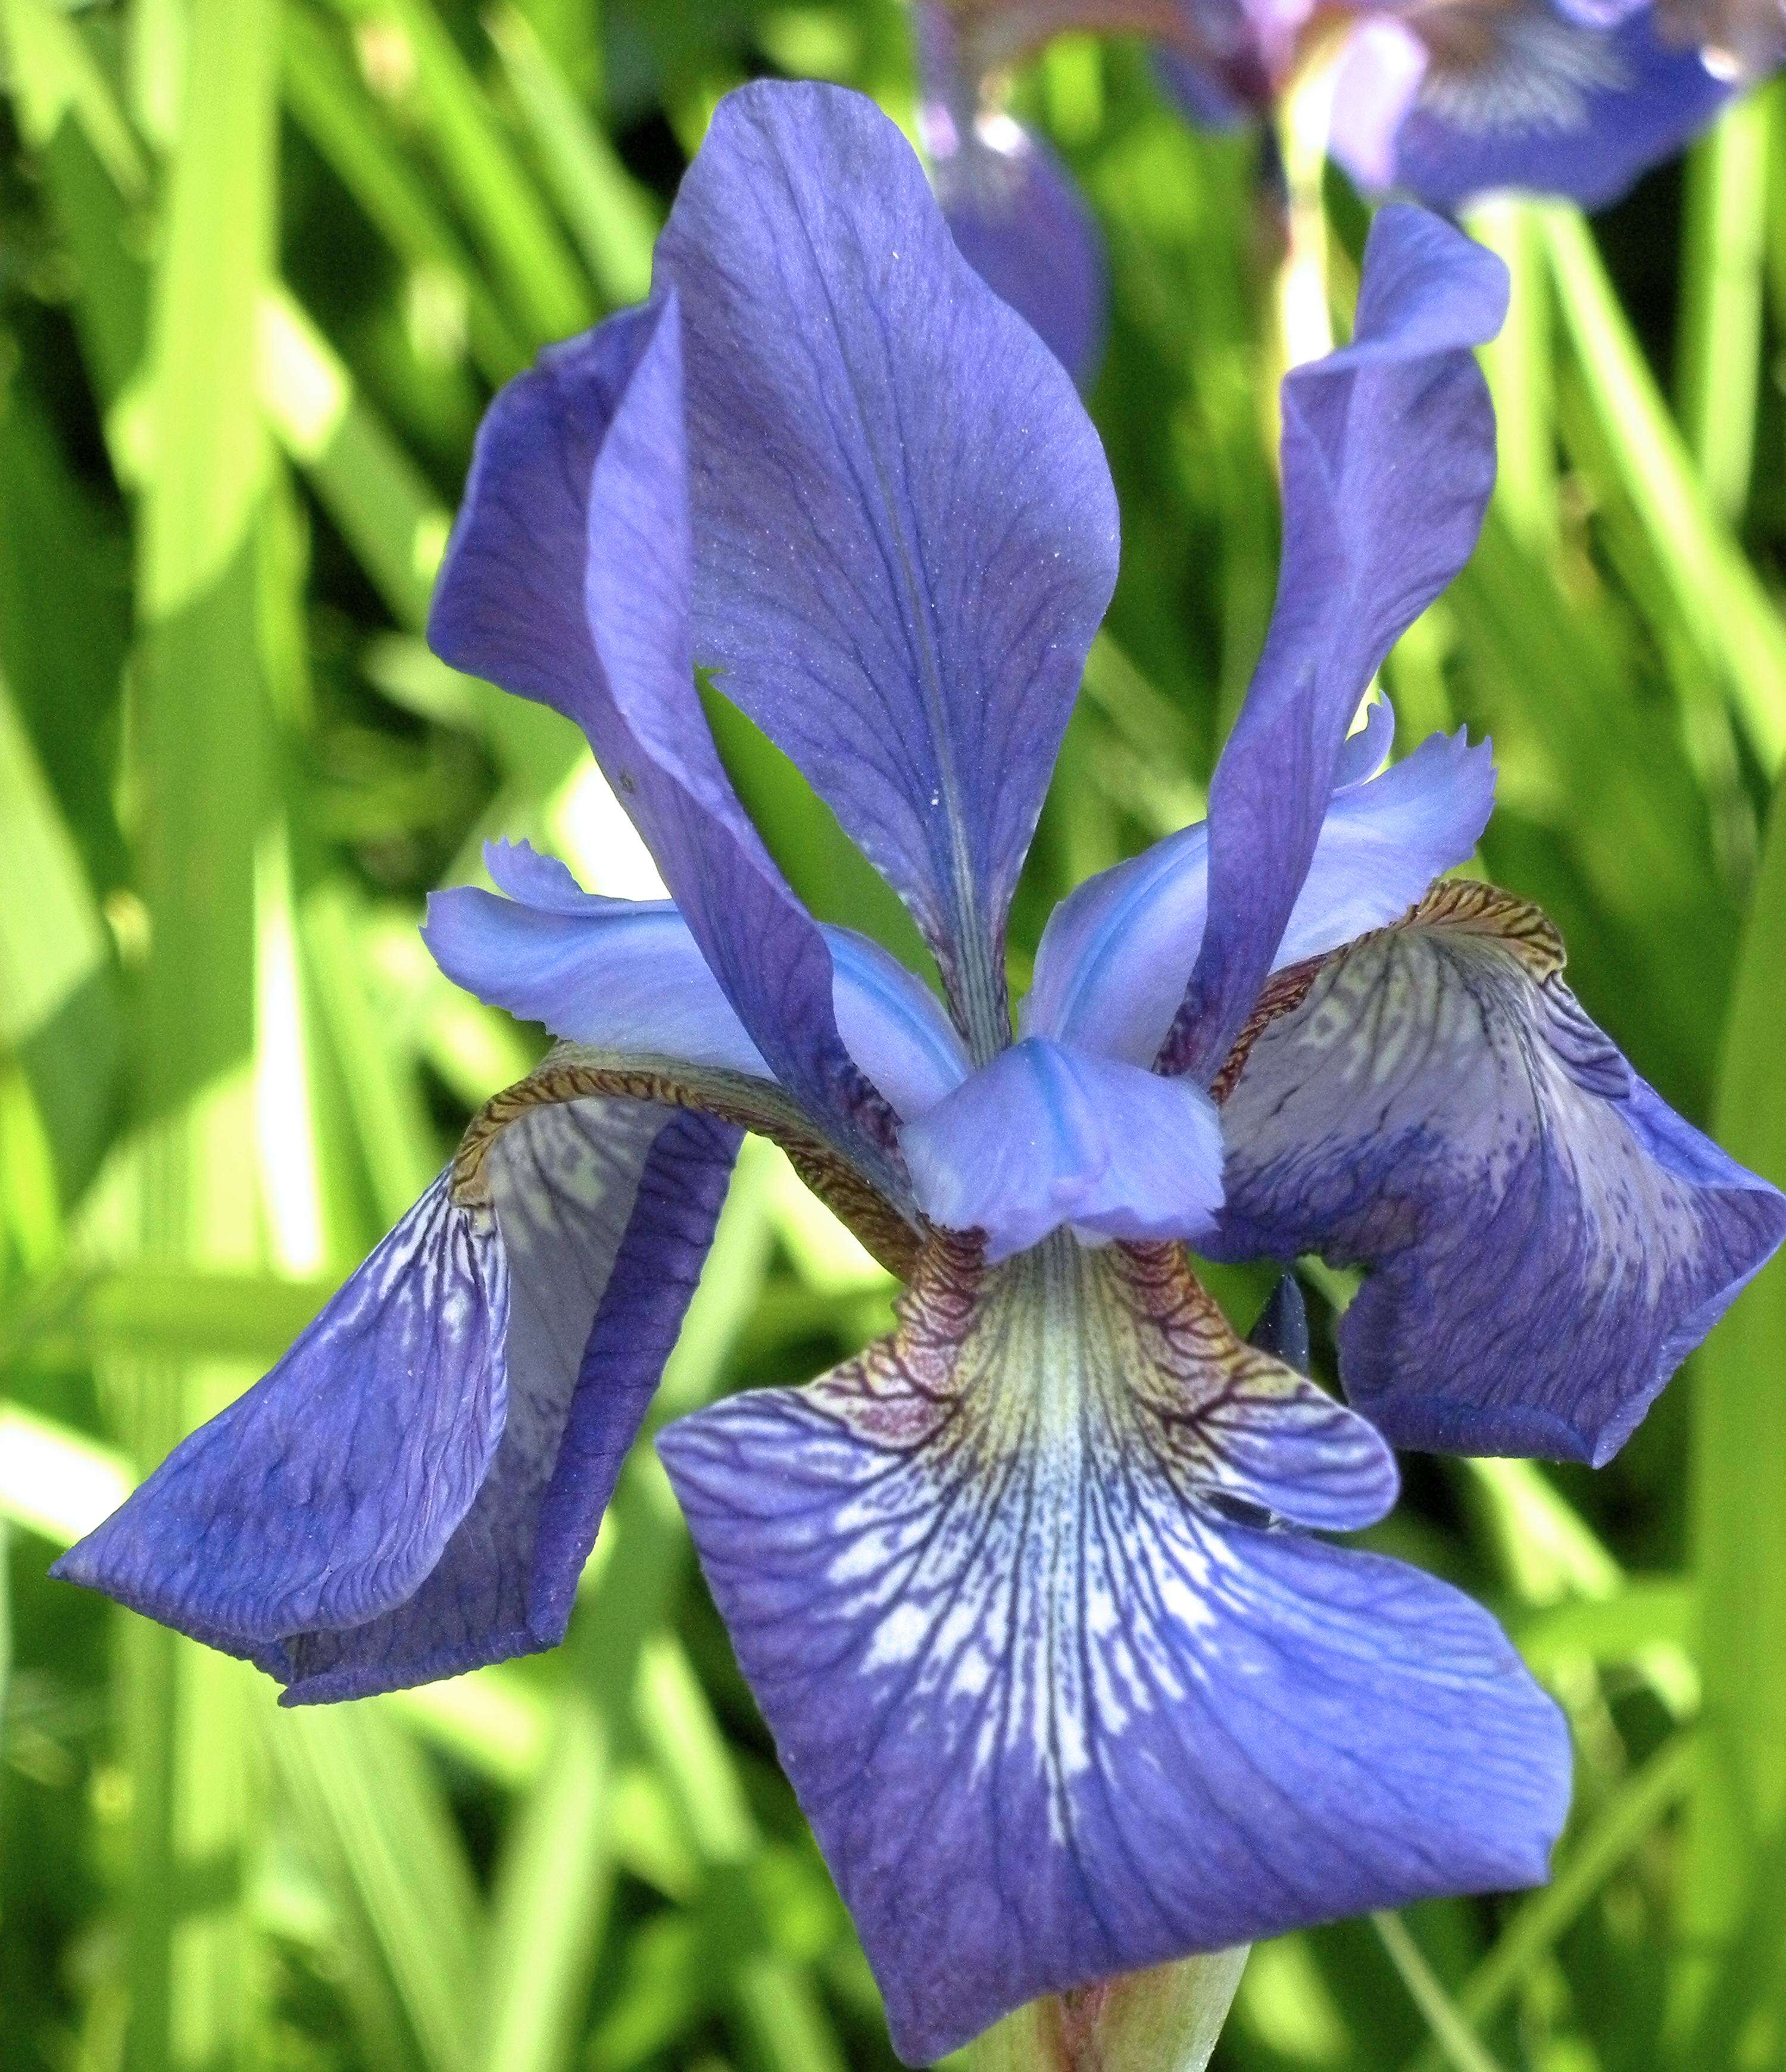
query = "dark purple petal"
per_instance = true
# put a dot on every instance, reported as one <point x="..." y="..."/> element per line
<point x="626" y="976"/>
<point x="567" y="580"/>
<point x="1112" y="964"/>
<point x="905" y="530"/>
<point x="1053" y="1712"/>
<point x="1559" y="106"/>
<point x="1021" y="224"/>
<point x="1281" y="1327"/>
<point x="1025" y="228"/>
<point x="1547" y="1240"/>
<point x="414" y="1489"/>
<point x="1389" y="457"/>
<point x="1045" y="1136"/>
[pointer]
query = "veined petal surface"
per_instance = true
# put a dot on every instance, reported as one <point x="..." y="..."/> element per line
<point x="1053" y="1711"/>
<point x="1547" y="1240"/>
<point x="1552" y="104"/>
<point x="1045" y="1136"/>
<point x="905" y="527"/>
<point x="627" y="976"/>
<point x="1389" y="457"/>
<point x="414" y="1489"/>
<point x="1112" y="965"/>
<point x="567" y="579"/>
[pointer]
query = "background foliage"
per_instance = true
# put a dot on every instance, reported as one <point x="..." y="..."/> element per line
<point x="259" y="268"/>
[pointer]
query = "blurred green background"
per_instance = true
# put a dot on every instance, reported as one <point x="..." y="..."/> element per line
<point x="260" y="266"/>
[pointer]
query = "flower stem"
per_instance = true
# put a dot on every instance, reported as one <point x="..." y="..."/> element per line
<point x="1165" y="2020"/>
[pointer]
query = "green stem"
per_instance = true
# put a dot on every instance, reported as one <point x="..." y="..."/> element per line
<point x="1165" y="2020"/>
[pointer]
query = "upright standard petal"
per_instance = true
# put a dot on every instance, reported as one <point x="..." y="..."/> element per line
<point x="1056" y="1701"/>
<point x="1044" y="1136"/>
<point x="567" y="580"/>
<point x="906" y="530"/>
<point x="1020" y="223"/>
<point x="1547" y="1241"/>
<point x="1113" y="961"/>
<point x="414" y="1489"/>
<point x="1389" y="456"/>
<point x="1527" y="97"/>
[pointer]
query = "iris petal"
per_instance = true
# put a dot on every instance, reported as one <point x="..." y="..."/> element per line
<point x="1548" y="1240"/>
<point x="1560" y="106"/>
<point x="414" y="1489"/>
<point x="1113" y="961"/>
<point x="1020" y="221"/>
<point x="905" y="530"/>
<point x="619" y="975"/>
<point x="1389" y="454"/>
<point x="567" y="580"/>
<point x="1045" y="1136"/>
<point x="1052" y="1713"/>
<point x="627" y="976"/>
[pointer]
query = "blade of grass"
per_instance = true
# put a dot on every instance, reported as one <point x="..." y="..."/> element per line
<point x="1719" y="350"/>
<point x="1632" y="1813"/>
<point x="200" y="791"/>
<point x="504" y="208"/>
<point x="1720" y="600"/>
<point x="1519" y="364"/>
<point x="380" y="1827"/>
<point x="1452" y="2036"/>
<point x="613" y="220"/>
<point x="1738" y="1473"/>
<point x="331" y="104"/>
<point x="58" y="1010"/>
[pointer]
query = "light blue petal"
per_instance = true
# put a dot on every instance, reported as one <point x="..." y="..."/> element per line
<point x="1019" y="219"/>
<point x="1389" y="457"/>
<point x="1557" y="105"/>
<point x="1111" y="967"/>
<point x="627" y="975"/>
<point x="1045" y="1136"/>
<point x="567" y="579"/>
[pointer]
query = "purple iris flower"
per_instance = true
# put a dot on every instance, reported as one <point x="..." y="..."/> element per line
<point x="1444" y="100"/>
<point x="1033" y="1593"/>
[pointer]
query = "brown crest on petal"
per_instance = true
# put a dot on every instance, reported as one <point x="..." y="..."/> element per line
<point x="570" y="1072"/>
<point x="1464" y="905"/>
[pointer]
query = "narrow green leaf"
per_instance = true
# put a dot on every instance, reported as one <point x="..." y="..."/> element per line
<point x="58" y="1008"/>
<point x="504" y="208"/>
<point x="613" y="219"/>
<point x="201" y="789"/>
<point x="1519" y="364"/>
<point x="1735" y="623"/>
<point x="1740" y="1471"/>
<point x="1452" y="2036"/>
<point x="1719" y="354"/>
<point x="332" y="106"/>
<point x="1627" y="1819"/>
<point x="377" y="1825"/>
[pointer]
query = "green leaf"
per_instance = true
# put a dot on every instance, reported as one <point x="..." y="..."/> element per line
<point x="1735" y="623"/>
<point x="1739" y="1470"/>
<point x="503" y="207"/>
